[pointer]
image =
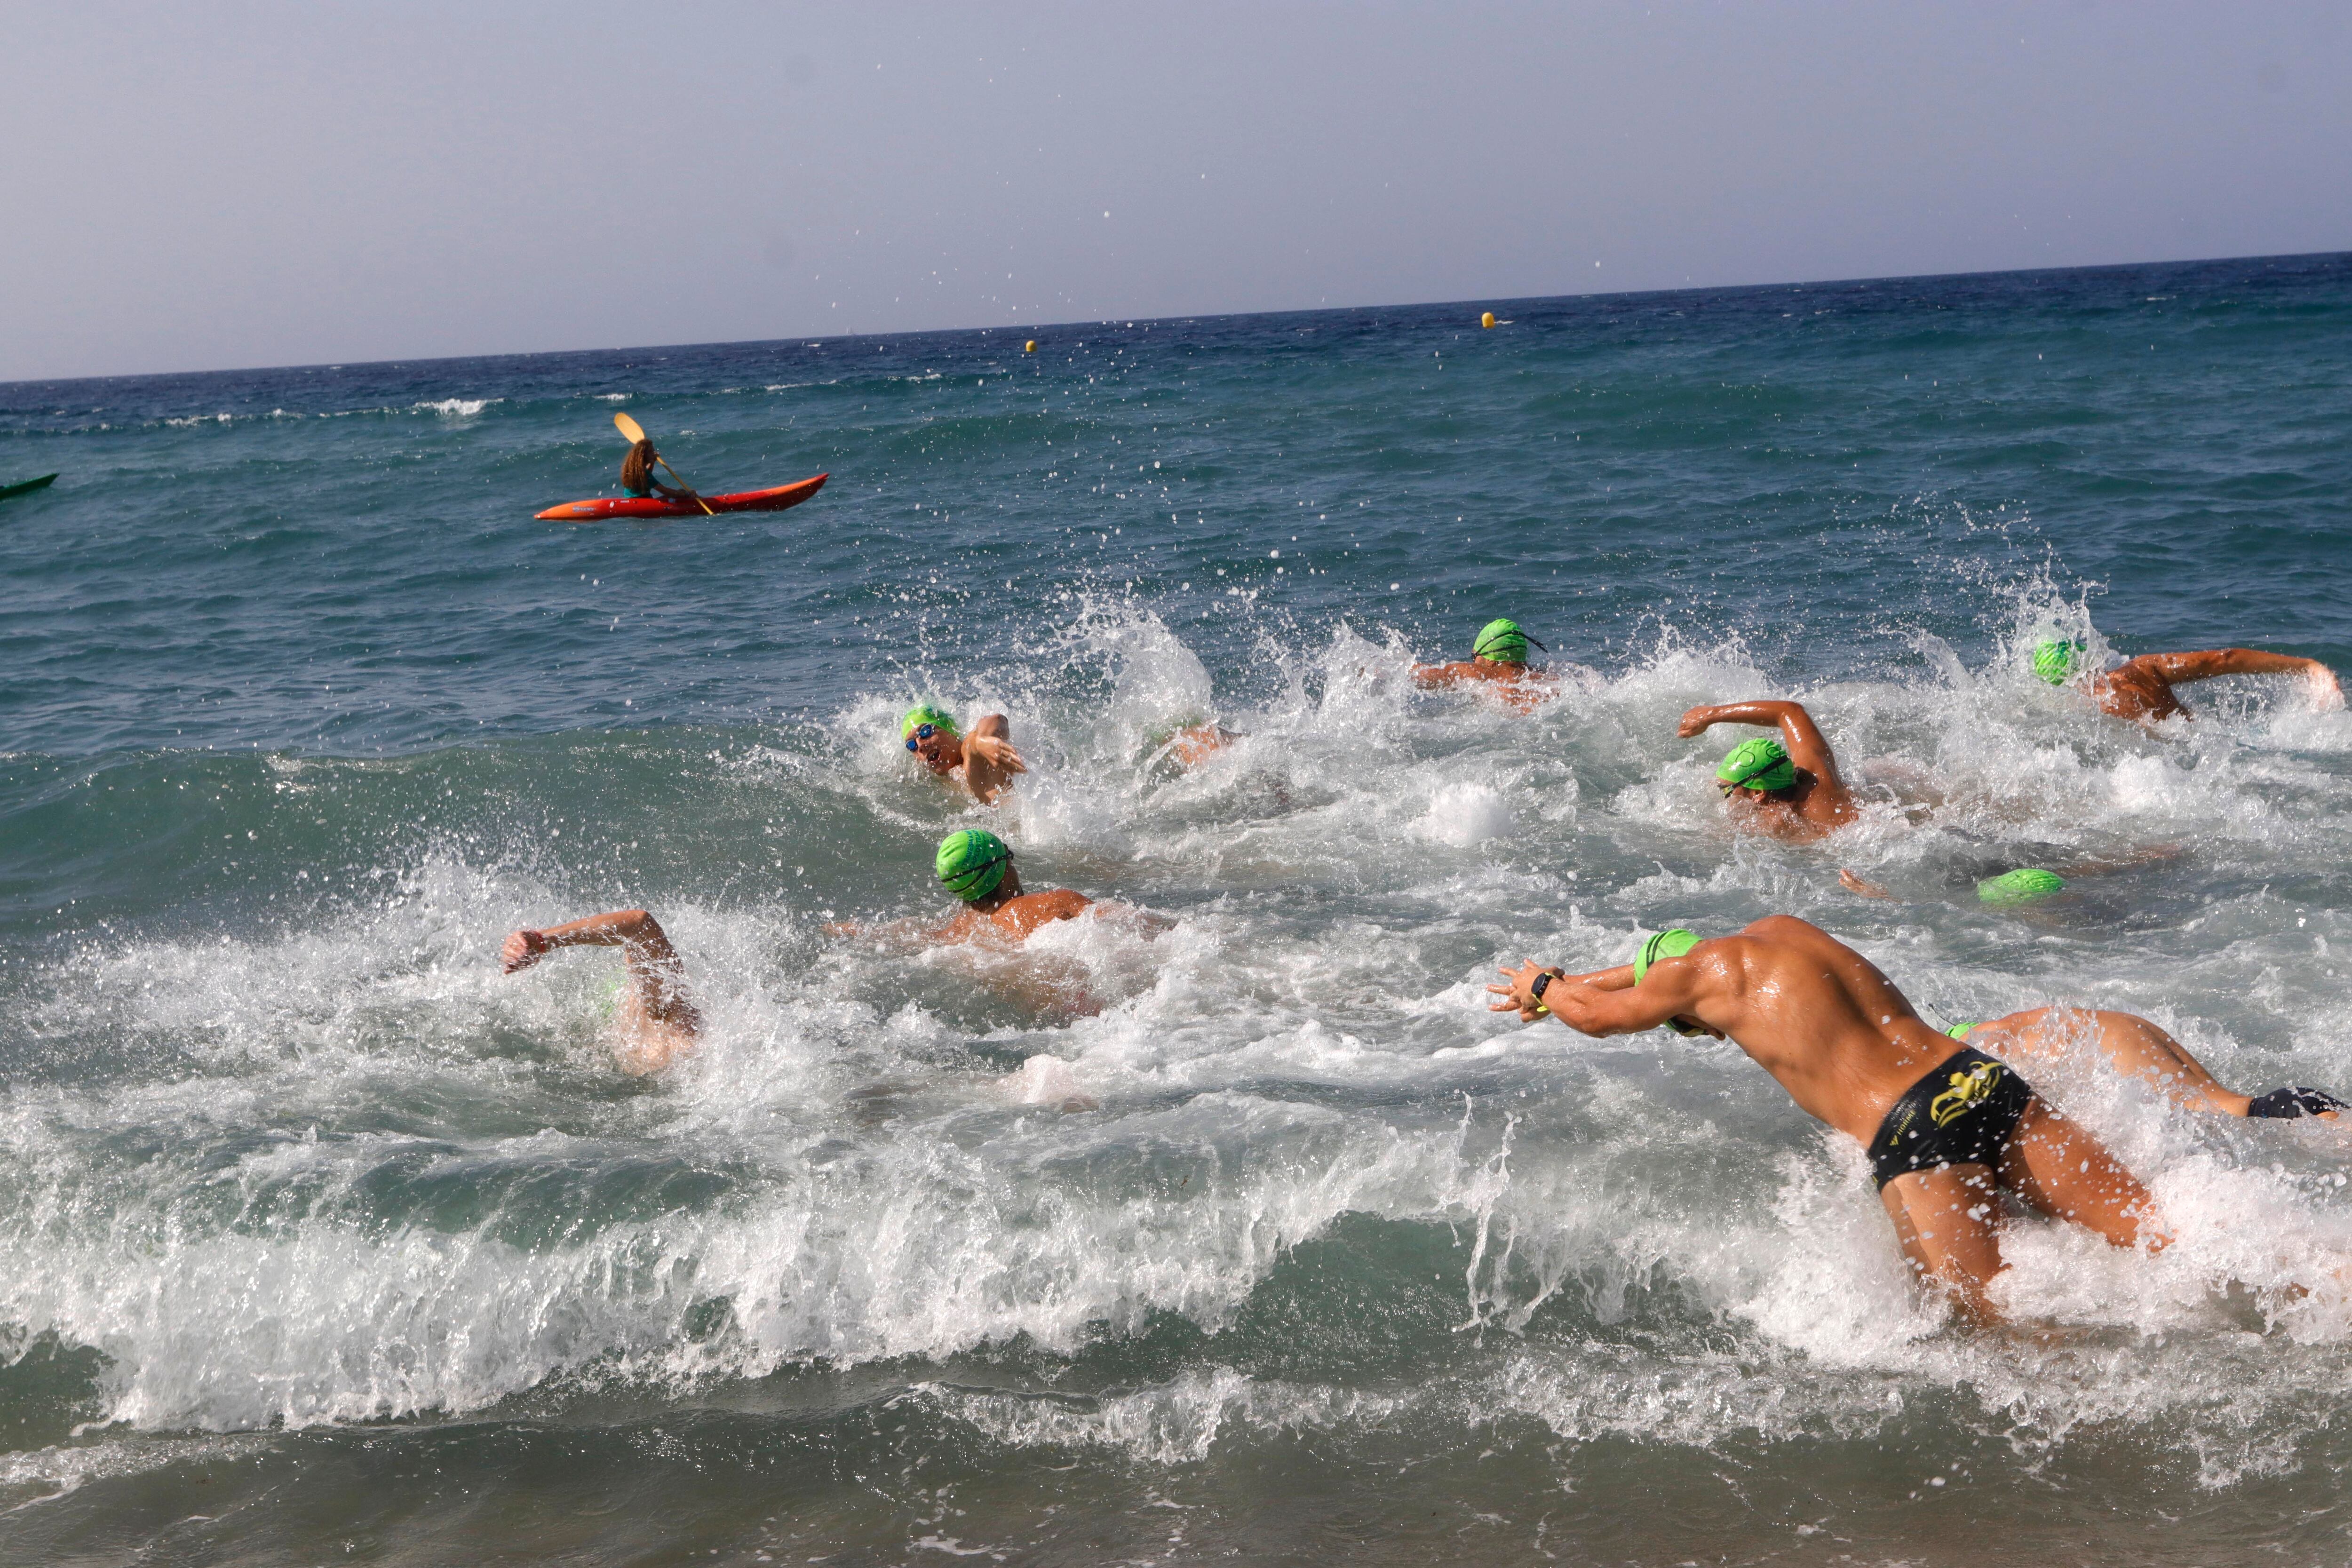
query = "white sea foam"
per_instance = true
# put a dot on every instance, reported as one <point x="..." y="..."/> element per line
<point x="889" y="1168"/>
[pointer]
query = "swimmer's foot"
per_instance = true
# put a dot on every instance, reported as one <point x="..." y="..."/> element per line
<point x="2287" y="1104"/>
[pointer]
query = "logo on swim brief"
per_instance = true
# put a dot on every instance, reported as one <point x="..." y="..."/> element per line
<point x="1969" y="1090"/>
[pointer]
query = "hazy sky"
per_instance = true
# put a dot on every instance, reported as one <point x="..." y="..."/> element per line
<point x="203" y="186"/>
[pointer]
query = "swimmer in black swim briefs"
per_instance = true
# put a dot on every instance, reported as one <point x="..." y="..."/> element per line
<point x="1962" y="1113"/>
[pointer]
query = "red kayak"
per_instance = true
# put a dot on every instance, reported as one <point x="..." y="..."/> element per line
<point x="603" y="506"/>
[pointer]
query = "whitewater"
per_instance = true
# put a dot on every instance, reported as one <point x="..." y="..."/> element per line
<point x="1258" y="1235"/>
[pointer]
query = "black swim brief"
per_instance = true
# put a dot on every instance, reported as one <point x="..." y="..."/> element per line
<point x="1962" y="1113"/>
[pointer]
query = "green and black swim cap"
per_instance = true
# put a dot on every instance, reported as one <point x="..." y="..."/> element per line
<point x="2021" y="886"/>
<point x="1961" y="1031"/>
<point x="1672" y="942"/>
<point x="1758" y="763"/>
<point x="2054" y="660"/>
<point x="924" y="713"/>
<point x="1503" y="642"/>
<point x="971" y="863"/>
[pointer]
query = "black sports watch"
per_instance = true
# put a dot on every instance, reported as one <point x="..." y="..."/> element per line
<point x="1543" y="979"/>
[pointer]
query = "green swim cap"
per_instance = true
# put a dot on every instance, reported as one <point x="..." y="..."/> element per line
<point x="1758" y="763"/>
<point x="2054" y="660"/>
<point x="1959" y="1031"/>
<point x="1669" y="943"/>
<point x="2021" y="886"/>
<point x="973" y="863"/>
<point x="924" y="713"/>
<point x="1503" y="642"/>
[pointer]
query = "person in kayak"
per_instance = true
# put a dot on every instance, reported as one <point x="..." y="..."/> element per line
<point x="1947" y="1127"/>
<point x="2141" y="688"/>
<point x="1499" y="656"/>
<point x="1790" y="788"/>
<point x="981" y="762"/>
<point x="654" y="1019"/>
<point x="637" y="475"/>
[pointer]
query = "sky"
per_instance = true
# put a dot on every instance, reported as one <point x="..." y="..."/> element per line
<point x="259" y="183"/>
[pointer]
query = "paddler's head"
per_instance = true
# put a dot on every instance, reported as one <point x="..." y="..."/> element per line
<point x="930" y="733"/>
<point x="1502" y="642"/>
<point x="637" y="468"/>
<point x="976" y="865"/>
<point x="1756" y="767"/>
<point x="1672" y="944"/>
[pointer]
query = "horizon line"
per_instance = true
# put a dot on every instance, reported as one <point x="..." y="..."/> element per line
<point x="1147" y="321"/>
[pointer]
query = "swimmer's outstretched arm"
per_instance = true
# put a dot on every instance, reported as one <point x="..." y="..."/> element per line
<point x="2209" y="663"/>
<point x="656" y="1011"/>
<point x="1806" y="745"/>
<point x="1605" y="1002"/>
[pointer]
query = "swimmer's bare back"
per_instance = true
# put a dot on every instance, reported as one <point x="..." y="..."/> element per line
<point x="655" y="1019"/>
<point x="1512" y="683"/>
<point x="2141" y="688"/>
<point x="1818" y="803"/>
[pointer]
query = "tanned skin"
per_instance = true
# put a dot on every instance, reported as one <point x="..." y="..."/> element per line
<point x="983" y="761"/>
<point x="1818" y="803"/>
<point x="1838" y="1036"/>
<point x="2141" y="688"/>
<point x="2136" y="1047"/>
<point x="655" y="1020"/>
<point x="1516" y="685"/>
<point x="1010" y="914"/>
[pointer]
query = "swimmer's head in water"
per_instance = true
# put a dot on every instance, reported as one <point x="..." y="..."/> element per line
<point x="923" y="713"/>
<point x="1502" y="642"/>
<point x="973" y="863"/>
<point x="2021" y="886"/>
<point x="2054" y="660"/>
<point x="1672" y="943"/>
<point x="1758" y="763"/>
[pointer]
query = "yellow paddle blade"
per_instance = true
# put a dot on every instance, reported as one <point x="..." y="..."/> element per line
<point x="629" y="427"/>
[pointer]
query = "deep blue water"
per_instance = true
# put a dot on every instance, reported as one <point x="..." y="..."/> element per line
<point x="313" y="1213"/>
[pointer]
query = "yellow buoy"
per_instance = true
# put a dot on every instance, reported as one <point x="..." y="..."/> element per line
<point x="1487" y="320"/>
<point x="1029" y="347"/>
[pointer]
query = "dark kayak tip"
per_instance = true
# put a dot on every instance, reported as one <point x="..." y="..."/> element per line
<point x="26" y="487"/>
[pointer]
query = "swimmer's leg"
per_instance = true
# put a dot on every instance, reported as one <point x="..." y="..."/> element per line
<point x="2136" y="1047"/>
<point x="2062" y="1171"/>
<point x="1945" y="1219"/>
<point x="656" y="1018"/>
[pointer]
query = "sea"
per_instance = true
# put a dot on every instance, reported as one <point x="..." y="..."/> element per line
<point x="1242" y="1235"/>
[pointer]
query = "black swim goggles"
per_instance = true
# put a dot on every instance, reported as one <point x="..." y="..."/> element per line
<point x="922" y="732"/>
<point x="1727" y="785"/>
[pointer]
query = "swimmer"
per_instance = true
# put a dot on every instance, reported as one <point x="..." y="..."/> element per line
<point x="2141" y="688"/>
<point x="655" y="1019"/>
<point x="978" y="868"/>
<point x="983" y="761"/>
<point x="2020" y="885"/>
<point x="2136" y="1049"/>
<point x="1789" y="787"/>
<point x="1947" y="1126"/>
<point x="1181" y="747"/>
<point x="1499" y="656"/>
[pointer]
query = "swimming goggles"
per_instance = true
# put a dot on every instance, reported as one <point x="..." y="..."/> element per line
<point x="922" y="732"/>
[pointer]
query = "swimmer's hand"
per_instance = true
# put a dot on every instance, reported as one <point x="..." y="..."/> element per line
<point x="2326" y="692"/>
<point x="996" y="752"/>
<point x="1854" y="884"/>
<point x="1519" y="996"/>
<point x="1695" y="722"/>
<point x="522" y="948"/>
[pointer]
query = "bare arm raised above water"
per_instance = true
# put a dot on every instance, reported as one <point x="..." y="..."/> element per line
<point x="655" y="1016"/>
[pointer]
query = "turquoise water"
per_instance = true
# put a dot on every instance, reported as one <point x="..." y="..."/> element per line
<point x="328" y="1243"/>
